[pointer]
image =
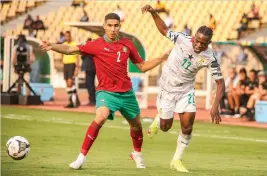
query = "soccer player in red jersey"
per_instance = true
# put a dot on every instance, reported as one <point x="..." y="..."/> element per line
<point x="114" y="92"/>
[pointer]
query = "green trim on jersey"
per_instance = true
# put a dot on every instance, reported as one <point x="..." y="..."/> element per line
<point x="109" y="41"/>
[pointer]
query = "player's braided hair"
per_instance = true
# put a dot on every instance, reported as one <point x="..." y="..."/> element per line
<point x="205" y="31"/>
<point x="112" y="16"/>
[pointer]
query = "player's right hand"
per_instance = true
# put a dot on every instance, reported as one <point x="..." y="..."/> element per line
<point x="147" y="8"/>
<point x="46" y="46"/>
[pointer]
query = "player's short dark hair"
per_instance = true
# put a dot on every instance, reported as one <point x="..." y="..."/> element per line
<point x="68" y="32"/>
<point x="205" y="31"/>
<point x="112" y="16"/>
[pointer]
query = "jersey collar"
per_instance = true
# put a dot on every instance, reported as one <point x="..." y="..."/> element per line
<point x="109" y="41"/>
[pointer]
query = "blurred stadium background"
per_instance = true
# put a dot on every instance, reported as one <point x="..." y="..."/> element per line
<point x="240" y="41"/>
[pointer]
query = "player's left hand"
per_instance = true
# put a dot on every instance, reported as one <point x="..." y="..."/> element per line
<point x="215" y="116"/>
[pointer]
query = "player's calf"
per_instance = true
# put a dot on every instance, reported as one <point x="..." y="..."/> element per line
<point x="137" y="138"/>
<point x="187" y="130"/>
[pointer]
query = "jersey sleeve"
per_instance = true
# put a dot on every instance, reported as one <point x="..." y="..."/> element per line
<point x="215" y="69"/>
<point x="175" y="36"/>
<point x="134" y="55"/>
<point x="89" y="47"/>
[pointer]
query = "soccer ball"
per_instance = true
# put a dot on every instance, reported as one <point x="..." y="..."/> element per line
<point x="17" y="147"/>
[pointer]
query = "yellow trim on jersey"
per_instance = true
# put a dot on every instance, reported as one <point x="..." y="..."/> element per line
<point x="69" y="59"/>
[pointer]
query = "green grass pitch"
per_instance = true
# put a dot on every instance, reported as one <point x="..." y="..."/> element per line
<point x="56" y="138"/>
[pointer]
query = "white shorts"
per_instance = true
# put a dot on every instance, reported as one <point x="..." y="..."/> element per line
<point x="168" y="103"/>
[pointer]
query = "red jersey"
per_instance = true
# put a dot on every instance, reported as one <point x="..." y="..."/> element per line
<point x="111" y="62"/>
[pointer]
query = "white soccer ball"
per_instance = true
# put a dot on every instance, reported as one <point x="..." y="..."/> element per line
<point x="18" y="147"/>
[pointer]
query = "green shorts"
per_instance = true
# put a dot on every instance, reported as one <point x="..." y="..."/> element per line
<point x="124" y="102"/>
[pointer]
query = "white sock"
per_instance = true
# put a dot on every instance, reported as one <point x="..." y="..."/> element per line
<point x="182" y="144"/>
<point x="74" y="98"/>
<point x="81" y="157"/>
<point x="137" y="153"/>
<point x="74" y="95"/>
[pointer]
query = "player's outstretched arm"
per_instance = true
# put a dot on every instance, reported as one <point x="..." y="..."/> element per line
<point x="215" y="116"/>
<point x="163" y="29"/>
<point x="148" y="65"/>
<point x="60" y="48"/>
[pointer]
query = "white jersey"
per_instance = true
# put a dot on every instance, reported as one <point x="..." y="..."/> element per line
<point x="179" y="73"/>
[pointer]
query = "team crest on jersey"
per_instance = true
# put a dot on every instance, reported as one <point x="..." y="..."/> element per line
<point x="202" y="61"/>
<point x="125" y="49"/>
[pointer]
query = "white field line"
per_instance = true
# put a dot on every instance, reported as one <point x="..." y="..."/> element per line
<point x="62" y="121"/>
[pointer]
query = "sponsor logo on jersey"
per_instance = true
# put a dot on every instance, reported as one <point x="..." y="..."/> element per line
<point x="106" y="49"/>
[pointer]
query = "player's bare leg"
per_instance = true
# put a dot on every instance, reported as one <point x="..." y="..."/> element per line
<point x="137" y="139"/>
<point x="237" y="103"/>
<point x="186" y="121"/>
<point x="159" y="123"/>
<point x="102" y="114"/>
<point x="231" y="102"/>
<point x="166" y="124"/>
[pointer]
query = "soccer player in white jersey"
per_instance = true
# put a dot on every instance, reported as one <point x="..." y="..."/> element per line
<point x="177" y="80"/>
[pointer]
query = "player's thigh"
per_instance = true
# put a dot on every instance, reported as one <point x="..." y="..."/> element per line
<point x="165" y="105"/>
<point x="130" y="107"/>
<point x="187" y="121"/>
<point x="109" y="100"/>
<point x="65" y="71"/>
<point x="135" y="123"/>
<point x="186" y="102"/>
<point x="102" y="113"/>
<point x="69" y="71"/>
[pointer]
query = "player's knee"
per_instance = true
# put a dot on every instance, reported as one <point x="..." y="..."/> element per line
<point x="69" y="83"/>
<point x="100" y="119"/>
<point x="187" y="130"/>
<point x="165" y="127"/>
<point x="137" y="127"/>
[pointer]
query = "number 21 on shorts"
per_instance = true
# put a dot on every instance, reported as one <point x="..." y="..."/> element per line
<point x="191" y="98"/>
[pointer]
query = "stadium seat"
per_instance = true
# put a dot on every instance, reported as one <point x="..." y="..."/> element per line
<point x="192" y="13"/>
